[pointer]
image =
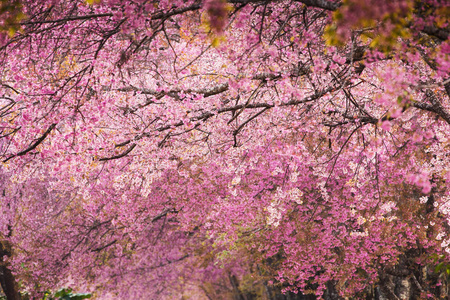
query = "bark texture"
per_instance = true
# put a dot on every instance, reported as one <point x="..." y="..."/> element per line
<point x="7" y="280"/>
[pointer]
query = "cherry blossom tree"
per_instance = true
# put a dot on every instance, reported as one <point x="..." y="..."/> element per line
<point x="221" y="149"/>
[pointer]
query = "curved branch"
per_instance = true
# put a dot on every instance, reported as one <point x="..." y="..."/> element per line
<point x="119" y="155"/>
<point x="325" y="4"/>
<point x="34" y="145"/>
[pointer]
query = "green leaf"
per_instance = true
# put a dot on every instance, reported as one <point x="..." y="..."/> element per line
<point x="63" y="292"/>
<point x="439" y="267"/>
<point x="80" y="296"/>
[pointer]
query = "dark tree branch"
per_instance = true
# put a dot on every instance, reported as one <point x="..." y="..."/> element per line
<point x="35" y="144"/>
<point x="164" y="213"/>
<point x="246" y="122"/>
<point x="105" y="246"/>
<point x="206" y="115"/>
<point x="119" y="155"/>
<point x="69" y="18"/>
<point x="207" y="92"/>
<point x="424" y="106"/>
<point x="437" y="106"/>
<point x="436" y="32"/>
<point x="176" y="11"/>
<point x="325" y="4"/>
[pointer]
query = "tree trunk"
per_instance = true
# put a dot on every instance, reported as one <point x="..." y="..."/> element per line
<point x="7" y="280"/>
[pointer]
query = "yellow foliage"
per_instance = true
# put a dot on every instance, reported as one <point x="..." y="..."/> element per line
<point x="92" y="2"/>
